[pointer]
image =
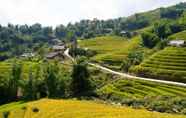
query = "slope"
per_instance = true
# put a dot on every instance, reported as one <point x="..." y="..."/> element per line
<point x="47" y="108"/>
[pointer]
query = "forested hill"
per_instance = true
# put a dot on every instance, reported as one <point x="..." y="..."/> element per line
<point x="17" y="39"/>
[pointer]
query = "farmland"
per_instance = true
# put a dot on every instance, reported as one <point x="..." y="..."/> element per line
<point x="110" y="48"/>
<point x="47" y="108"/>
<point x="180" y="35"/>
<point x="141" y="89"/>
<point x="149" y="95"/>
<point x="6" y="68"/>
<point x="168" y="64"/>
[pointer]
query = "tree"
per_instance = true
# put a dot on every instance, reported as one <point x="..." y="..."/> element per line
<point x="60" y="31"/>
<point x="133" y="58"/>
<point x="149" y="39"/>
<point x="4" y="89"/>
<point x="80" y="78"/>
<point x="162" y="29"/>
<point x="125" y="65"/>
<point x="171" y="13"/>
<point x="14" y="81"/>
<point x="51" y="79"/>
<point x="30" y="89"/>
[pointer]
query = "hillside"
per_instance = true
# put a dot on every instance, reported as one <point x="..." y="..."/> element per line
<point x="131" y="89"/>
<point x="47" y="108"/>
<point x="6" y="68"/>
<point x="110" y="49"/>
<point x="167" y="64"/>
<point x="179" y="35"/>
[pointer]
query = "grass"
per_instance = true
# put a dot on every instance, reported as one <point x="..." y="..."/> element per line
<point x="180" y="35"/>
<point x="168" y="64"/>
<point x="48" y="108"/>
<point x="110" y="49"/>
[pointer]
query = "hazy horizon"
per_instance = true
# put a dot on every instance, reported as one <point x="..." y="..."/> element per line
<point x="55" y="12"/>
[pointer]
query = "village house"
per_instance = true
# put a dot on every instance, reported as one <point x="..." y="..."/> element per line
<point x="57" y="51"/>
<point x="59" y="48"/>
<point x="177" y="43"/>
<point x="53" y="55"/>
<point x="26" y="55"/>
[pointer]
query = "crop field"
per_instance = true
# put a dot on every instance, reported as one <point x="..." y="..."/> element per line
<point x="180" y="35"/>
<point x="149" y="95"/>
<point x="140" y="89"/>
<point x="168" y="64"/>
<point x="6" y="68"/>
<point x="111" y="49"/>
<point x="47" y="108"/>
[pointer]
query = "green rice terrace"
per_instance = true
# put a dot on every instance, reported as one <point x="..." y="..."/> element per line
<point x="168" y="64"/>
<point x="132" y="89"/>
<point x="6" y="68"/>
<point x="179" y="35"/>
<point x="149" y="95"/>
<point x="110" y="50"/>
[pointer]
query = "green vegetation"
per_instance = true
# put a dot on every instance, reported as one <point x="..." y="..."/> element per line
<point x="31" y="80"/>
<point x="110" y="49"/>
<point x="149" y="95"/>
<point x="47" y="108"/>
<point x="81" y="85"/>
<point x="179" y="35"/>
<point x="101" y="42"/>
<point x="168" y="64"/>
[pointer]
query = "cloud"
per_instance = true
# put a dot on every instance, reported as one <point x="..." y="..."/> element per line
<point x="54" y="12"/>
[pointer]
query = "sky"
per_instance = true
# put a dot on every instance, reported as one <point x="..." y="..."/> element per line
<point x="55" y="12"/>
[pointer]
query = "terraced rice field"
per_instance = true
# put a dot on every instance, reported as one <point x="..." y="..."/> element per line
<point x="47" y="108"/>
<point x="168" y="64"/>
<point x="111" y="49"/>
<point x="133" y="89"/>
<point x="6" y="68"/>
<point x="180" y="35"/>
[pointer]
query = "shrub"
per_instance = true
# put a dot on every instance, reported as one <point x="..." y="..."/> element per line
<point x="35" y="109"/>
<point x="6" y="114"/>
<point x="82" y="52"/>
<point x="149" y="39"/>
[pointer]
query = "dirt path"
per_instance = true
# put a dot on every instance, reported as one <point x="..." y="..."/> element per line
<point x="125" y="75"/>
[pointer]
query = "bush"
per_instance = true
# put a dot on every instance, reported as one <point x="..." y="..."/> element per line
<point x="82" y="52"/>
<point x="6" y="114"/>
<point x="149" y="39"/>
<point x="35" y="109"/>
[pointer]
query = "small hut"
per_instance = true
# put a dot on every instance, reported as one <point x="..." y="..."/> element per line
<point x="177" y="43"/>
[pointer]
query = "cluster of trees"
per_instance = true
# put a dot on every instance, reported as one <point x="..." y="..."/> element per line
<point x="15" y="39"/>
<point x="162" y="30"/>
<point x="46" y="80"/>
<point x="133" y="58"/>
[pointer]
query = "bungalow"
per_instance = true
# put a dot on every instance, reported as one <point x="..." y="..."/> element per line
<point x="52" y="55"/>
<point x="28" y="55"/>
<point x="59" y="47"/>
<point x="55" y="41"/>
<point x="177" y="43"/>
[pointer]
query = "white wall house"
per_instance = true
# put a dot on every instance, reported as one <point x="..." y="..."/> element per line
<point x="177" y="43"/>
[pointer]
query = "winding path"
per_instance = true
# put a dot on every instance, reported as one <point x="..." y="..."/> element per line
<point x="127" y="75"/>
